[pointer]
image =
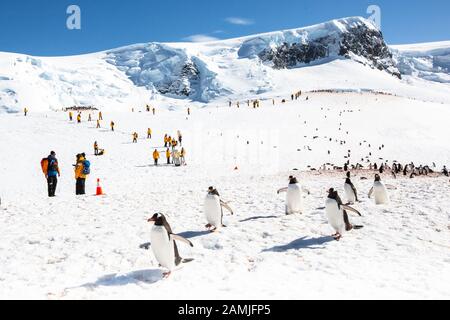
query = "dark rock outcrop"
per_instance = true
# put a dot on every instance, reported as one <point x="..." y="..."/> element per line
<point x="360" y="43"/>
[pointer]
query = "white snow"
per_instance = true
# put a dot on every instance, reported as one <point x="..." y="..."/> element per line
<point x="89" y="247"/>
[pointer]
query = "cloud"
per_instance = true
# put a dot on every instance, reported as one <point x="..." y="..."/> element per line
<point x="239" y="21"/>
<point x="200" y="38"/>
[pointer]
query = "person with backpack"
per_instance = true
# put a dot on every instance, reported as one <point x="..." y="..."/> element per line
<point x="82" y="170"/>
<point x="149" y="133"/>
<point x="135" y="137"/>
<point x="176" y="158"/>
<point x="79" y="118"/>
<point x="51" y="171"/>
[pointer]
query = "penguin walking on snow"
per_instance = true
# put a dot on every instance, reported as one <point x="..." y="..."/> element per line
<point x="294" y="196"/>
<point x="163" y="244"/>
<point x="379" y="190"/>
<point x="337" y="215"/>
<point x="213" y="209"/>
<point x="350" y="191"/>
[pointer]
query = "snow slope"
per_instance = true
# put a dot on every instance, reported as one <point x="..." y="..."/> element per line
<point x="90" y="248"/>
<point x="212" y="72"/>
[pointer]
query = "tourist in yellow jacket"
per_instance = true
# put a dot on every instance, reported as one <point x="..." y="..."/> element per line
<point x="149" y="133"/>
<point x="156" y="157"/>
<point x="82" y="169"/>
<point x="168" y="155"/>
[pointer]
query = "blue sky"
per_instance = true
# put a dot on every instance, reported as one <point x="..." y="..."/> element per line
<point x="38" y="27"/>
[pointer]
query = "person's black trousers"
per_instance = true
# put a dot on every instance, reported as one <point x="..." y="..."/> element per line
<point x="52" y="182"/>
<point x="80" y="186"/>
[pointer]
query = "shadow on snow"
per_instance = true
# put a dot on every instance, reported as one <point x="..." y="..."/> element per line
<point x="141" y="276"/>
<point x="302" y="243"/>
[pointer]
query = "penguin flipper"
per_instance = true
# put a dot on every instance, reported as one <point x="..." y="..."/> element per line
<point x="370" y="192"/>
<point x="180" y="238"/>
<point x="282" y="190"/>
<point x="348" y="208"/>
<point x="226" y="206"/>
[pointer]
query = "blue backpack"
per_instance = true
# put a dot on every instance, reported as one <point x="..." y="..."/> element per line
<point x="86" y="167"/>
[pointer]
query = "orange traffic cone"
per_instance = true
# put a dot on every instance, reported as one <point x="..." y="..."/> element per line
<point x="99" y="189"/>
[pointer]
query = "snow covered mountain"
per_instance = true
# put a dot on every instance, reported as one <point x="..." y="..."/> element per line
<point x="430" y="61"/>
<point x="348" y="53"/>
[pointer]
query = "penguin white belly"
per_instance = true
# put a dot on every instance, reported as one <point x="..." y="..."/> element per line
<point x="213" y="211"/>
<point x="335" y="216"/>
<point x="163" y="247"/>
<point x="349" y="193"/>
<point x="380" y="193"/>
<point x="294" y="201"/>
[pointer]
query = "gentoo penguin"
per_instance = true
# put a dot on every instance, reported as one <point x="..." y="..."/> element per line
<point x="337" y="214"/>
<point x="379" y="191"/>
<point x="350" y="190"/>
<point x="294" y="196"/>
<point x="214" y="210"/>
<point x="163" y="244"/>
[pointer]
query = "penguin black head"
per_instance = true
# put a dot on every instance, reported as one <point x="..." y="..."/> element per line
<point x="377" y="178"/>
<point x="332" y="193"/>
<point x="159" y="219"/>
<point x="293" y="180"/>
<point x="213" y="191"/>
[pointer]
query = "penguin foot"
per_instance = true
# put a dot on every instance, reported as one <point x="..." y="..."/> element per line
<point x="337" y="237"/>
<point x="208" y="226"/>
<point x="167" y="274"/>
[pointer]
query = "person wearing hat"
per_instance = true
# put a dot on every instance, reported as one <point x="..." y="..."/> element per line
<point x="51" y="171"/>
<point x="80" y="174"/>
